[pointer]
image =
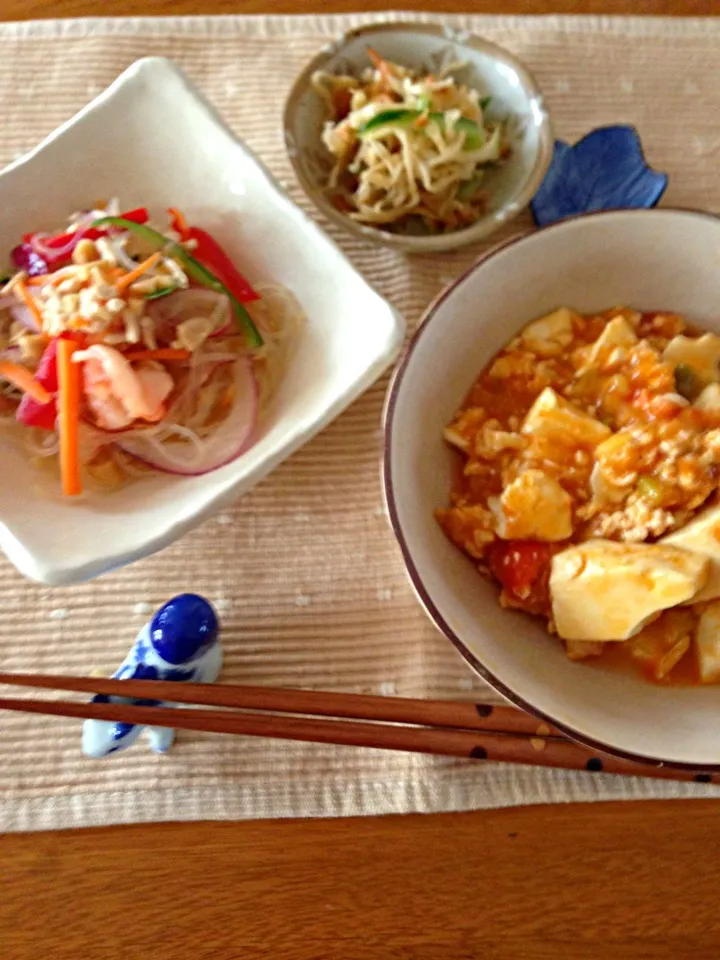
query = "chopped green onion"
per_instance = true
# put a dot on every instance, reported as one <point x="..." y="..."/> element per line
<point x="650" y="488"/>
<point x="686" y="381"/>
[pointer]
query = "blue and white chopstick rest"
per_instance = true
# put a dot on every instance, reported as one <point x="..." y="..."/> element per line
<point x="180" y="643"/>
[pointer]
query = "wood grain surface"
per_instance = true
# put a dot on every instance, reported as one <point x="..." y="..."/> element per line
<point x="605" y="881"/>
<point x="609" y="882"/>
<point x="29" y="9"/>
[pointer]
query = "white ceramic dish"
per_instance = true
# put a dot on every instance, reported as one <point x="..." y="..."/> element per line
<point x="650" y="259"/>
<point x="152" y="140"/>
<point x="491" y="69"/>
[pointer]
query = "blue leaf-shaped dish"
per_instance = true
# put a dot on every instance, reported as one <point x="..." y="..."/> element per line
<point x="606" y="170"/>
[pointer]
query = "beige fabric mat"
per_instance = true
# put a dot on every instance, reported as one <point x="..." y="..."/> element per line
<point x="304" y="571"/>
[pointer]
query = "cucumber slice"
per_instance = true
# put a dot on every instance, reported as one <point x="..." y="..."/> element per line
<point x="475" y="136"/>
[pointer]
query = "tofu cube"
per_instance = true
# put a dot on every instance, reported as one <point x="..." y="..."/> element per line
<point x="701" y="354"/>
<point x="549" y="335"/>
<point x="553" y="418"/>
<point x="617" y="333"/>
<point x="707" y="643"/>
<point x="533" y="507"/>
<point x="603" y="590"/>
<point x="701" y="536"/>
<point x="709" y="399"/>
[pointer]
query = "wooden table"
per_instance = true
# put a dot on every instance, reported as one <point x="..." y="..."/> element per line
<point x="603" y="881"/>
<point x="621" y="881"/>
<point x="27" y="9"/>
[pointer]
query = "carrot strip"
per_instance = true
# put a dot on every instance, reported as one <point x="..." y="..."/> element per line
<point x="164" y="353"/>
<point x="179" y="223"/>
<point x="69" y="417"/>
<point x="383" y="67"/>
<point x="21" y="377"/>
<point x="380" y="63"/>
<point x="29" y="301"/>
<point x="135" y="274"/>
<point x="52" y="278"/>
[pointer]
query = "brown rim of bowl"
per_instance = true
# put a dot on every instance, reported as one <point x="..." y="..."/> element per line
<point x="477" y="231"/>
<point x="387" y="480"/>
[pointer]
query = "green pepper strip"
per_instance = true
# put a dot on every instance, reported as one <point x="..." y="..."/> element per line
<point x="193" y="268"/>
<point x="161" y="293"/>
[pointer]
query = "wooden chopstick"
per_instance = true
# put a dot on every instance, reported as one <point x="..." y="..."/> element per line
<point x="498" y="743"/>
<point x="436" y="713"/>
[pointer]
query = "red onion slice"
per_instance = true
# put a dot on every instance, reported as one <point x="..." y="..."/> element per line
<point x="23" y="257"/>
<point x="22" y="314"/>
<point x="123" y="259"/>
<point x="50" y="253"/>
<point x="231" y="438"/>
<point x="186" y="304"/>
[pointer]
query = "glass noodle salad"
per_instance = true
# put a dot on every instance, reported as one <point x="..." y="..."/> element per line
<point x="127" y="347"/>
<point x="410" y="149"/>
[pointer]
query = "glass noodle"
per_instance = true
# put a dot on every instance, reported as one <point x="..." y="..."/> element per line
<point x="176" y="356"/>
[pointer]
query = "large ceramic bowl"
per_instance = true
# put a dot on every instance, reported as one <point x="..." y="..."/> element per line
<point x="492" y="70"/>
<point x="151" y="140"/>
<point x="650" y="259"/>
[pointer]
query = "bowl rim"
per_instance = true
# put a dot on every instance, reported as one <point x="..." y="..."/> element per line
<point x="457" y="238"/>
<point x="388" y="492"/>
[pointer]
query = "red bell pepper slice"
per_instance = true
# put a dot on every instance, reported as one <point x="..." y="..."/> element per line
<point x="34" y="414"/>
<point x="47" y="371"/>
<point x="211" y="255"/>
<point x="140" y="215"/>
<point x="29" y="411"/>
<point x="43" y="415"/>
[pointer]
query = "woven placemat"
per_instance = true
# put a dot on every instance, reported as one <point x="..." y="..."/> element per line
<point x="304" y="571"/>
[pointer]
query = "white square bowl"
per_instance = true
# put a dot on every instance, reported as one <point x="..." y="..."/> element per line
<point x="153" y="141"/>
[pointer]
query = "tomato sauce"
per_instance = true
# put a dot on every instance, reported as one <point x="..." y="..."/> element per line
<point x="636" y="394"/>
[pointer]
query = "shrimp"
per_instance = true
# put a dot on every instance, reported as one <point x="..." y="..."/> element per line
<point x="118" y="393"/>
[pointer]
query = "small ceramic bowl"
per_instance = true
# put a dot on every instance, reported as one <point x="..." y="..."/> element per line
<point x="132" y="143"/>
<point x="650" y="259"/>
<point x="491" y="69"/>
